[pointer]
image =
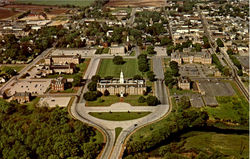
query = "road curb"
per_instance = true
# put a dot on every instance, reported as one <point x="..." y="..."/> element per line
<point x="126" y="139"/>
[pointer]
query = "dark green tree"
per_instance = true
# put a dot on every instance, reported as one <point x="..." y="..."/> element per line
<point x="118" y="60"/>
<point x="152" y="100"/>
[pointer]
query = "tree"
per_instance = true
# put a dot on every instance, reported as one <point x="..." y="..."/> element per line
<point x="106" y="92"/>
<point x="151" y="76"/>
<point x="173" y="65"/>
<point x="141" y="99"/>
<point x="143" y="63"/>
<point x="118" y="60"/>
<point x="168" y="77"/>
<point x="108" y="77"/>
<point x="219" y="42"/>
<point x="226" y="71"/>
<point x="150" y="50"/>
<point x="137" y="77"/>
<point x="96" y="78"/>
<point x="92" y="86"/>
<point x="184" y="102"/>
<point x="77" y="80"/>
<point x="10" y="71"/>
<point x="166" y="41"/>
<point x="152" y="100"/>
<point x="230" y="51"/>
<point x="90" y="96"/>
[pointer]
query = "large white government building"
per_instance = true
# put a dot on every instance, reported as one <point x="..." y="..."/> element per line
<point x="122" y="86"/>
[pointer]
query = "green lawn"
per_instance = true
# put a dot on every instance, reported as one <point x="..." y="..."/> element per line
<point x="108" y="68"/>
<point x="32" y="104"/>
<point x="119" y="116"/>
<point x="62" y="75"/>
<point x="18" y="68"/>
<point x="58" y="2"/>
<point x="98" y="138"/>
<point x="233" y="109"/>
<point x="83" y="66"/>
<point x="207" y="142"/>
<point x="109" y="100"/>
<point x="117" y="132"/>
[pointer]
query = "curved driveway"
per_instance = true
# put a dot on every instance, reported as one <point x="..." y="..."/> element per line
<point x="113" y="149"/>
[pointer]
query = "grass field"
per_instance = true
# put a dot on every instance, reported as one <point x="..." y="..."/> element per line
<point x="58" y="2"/>
<point x="32" y="104"/>
<point x="206" y="142"/>
<point x="231" y="108"/>
<point x="109" y="100"/>
<point x="18" y="68"/>
<point x="117" y="132"/>
<point x="119" y="116"/>
<point x="108" y="68"/>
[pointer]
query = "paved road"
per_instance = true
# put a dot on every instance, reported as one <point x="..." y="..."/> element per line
<point x="132" y="17"/>
<point x="157" y="67"/>
<point x="92" y="68"/>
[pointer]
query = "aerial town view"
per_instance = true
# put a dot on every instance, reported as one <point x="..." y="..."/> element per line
<point x="124" y="79"/>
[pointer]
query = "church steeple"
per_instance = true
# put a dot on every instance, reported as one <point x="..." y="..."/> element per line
<point x="121" y="77"/>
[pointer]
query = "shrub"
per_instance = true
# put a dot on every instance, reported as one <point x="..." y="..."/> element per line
<point x="92" y="86"/>
<point x="141" y="99"/>
<point x="152" y="100"/>
<point x="106" y="93"/>
<point x="96" y="78"/>
<point x="90" y="96"/>
<point x="118" y="60"/>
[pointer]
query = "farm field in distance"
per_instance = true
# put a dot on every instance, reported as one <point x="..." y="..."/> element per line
<point x="57" y="2"/>
<point x="6" y="13"/>
<point x="133" y="3"/>
<point x="108" y="68"/>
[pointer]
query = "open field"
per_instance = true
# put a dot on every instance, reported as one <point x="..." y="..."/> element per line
<point x="36" y="8"/>
<point x="133" y="3"/>
<point x="108" y="68"/>
<point x="233" y="109"/>
<point x="119" y="116"/>
<point x="109" y="100"/>
<point x="6" y="13"/>
<point x="206" y="142"/>
<point x="18" y="68"/>
<point x="57" y="2"/>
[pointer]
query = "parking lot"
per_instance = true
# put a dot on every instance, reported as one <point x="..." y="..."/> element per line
<point x="54" y="101"/>
<point x="82" y="52"/>
<point x="216" y="88"/>
<point x="32" y="86"/>
<point x="197" y="70"/>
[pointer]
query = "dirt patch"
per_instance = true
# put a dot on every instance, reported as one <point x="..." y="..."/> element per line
<point x="6" y="13"/>
<point x="138" y="3"/>
<point x="36" y="8"/>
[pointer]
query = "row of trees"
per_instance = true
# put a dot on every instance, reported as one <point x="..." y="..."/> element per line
<point x="216" y="61"/>
<point x="171" y="73"/>
<point x="151" y="100"/>
<point x="143" y="63"/>
<point x="235" y="61"/>
<point x="44" y="133"/>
